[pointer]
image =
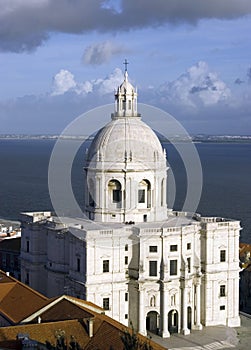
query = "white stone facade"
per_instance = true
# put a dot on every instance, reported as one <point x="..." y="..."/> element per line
<point x="163" y="271"/>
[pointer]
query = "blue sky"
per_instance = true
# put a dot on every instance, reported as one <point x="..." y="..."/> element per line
<point x="60" y="58"/>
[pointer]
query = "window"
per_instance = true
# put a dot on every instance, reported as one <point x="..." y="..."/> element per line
<point x="91" y="200"/>
<point x="106" y="303"/>
<point x="126" y="316"/>
<point x="116" y="196"/>
<point x="189" y="265"/>
<point x="222" y="290"/>
<point x="126" y="296"/>
<point x="222" y="307"/>
<point x="153" y="249"/>
<point x="141" y="196"/>
<point x="126" y="260"/>
<point x="188" y="246"/>
<point x="78" y="264"/>
<point x="114" y="188"/>
<point x="152" y="268"/>
<point x="144" y="194"/>
<point x="173" y="267"/>
<point x="105" y="265"/>
<point x="222" y="255"/>
<point x="126" y="247"/>
<point x="173" y="247"/>
<point x="27" y="246"/>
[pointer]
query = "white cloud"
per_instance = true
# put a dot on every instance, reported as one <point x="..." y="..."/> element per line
<point x="64" y="82"/>
<point x="100" y="53"/>
<point x="110" y="83"/>
<point x="195" y="98"/>
<point x="198" y="86"/>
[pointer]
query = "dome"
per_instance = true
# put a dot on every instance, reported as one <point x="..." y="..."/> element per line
<point x="125" y="167"/>
<point x="129" y="140"/>
<point x="126" y="86"/>
<point x="126" y="139"/>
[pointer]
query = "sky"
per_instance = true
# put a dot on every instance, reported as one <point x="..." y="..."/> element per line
<point x="61" y="58"/>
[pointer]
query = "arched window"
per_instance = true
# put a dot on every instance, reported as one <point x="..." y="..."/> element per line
<point x="144" y="193"/>
<point x="114" y="188"/>
<point x="91" y="193"/>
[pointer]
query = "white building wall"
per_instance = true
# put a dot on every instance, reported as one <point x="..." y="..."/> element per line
<point x="74" y="265"/>
<point x="34" y="255"/>
<point x="108" y="245"/>
<point x="218" y="236"/>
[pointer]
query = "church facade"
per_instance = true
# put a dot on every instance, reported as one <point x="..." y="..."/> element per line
<point x="162" y="271"/>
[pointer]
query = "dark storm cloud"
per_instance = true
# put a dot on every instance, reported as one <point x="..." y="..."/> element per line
<point x="25" y="24"/>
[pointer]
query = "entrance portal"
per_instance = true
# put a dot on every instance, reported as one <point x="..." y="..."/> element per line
<point x="152" y="322"/>
<point x="173" y="321"/>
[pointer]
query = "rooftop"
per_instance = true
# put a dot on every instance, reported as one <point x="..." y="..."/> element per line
<point x="47" y="317"/>
<point x="17" y="300"/>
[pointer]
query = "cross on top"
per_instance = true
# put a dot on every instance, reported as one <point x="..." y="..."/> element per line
<point x="126" y="64"/>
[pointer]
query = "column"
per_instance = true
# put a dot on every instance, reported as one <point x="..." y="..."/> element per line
<point x="142" y="321"/>
<point x="185" y="330"/>
<point x="197" y="325"/>
<point x="163" y="313"/>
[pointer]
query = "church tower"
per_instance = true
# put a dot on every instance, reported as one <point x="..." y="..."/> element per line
<point x="125" y="167"/>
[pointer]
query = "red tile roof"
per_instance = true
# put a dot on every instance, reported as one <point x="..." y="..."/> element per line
<point x="107" y="333"/>
<point x="17" y="300"/>
<point x="20" y="303"/>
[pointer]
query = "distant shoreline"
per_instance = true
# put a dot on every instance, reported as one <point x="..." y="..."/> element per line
<point x="9" y="222"/>
<point x="193" y="138"/>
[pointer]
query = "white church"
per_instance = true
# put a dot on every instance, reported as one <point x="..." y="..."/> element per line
<point x="163" y="271"/>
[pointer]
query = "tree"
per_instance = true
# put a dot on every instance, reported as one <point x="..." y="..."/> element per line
<point x="131" y="341"/>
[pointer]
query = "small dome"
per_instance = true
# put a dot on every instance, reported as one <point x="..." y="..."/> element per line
<point x="126" y="86"/>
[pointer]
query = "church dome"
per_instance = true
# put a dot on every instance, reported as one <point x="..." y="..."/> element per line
<point x="125" y="167"/>
<point x="129" y="140"/>
<point x="126" y="138"/>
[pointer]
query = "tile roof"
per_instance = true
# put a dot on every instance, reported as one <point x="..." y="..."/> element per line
<point x="46" y="331"/>
<point x="64" y="310"/>
<point x="244" y="254"/>
<point x="17" y="300"/>
<point x="107" y="333"/>
<point x="244" y="247"/>
<point x="19" y="303"/>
